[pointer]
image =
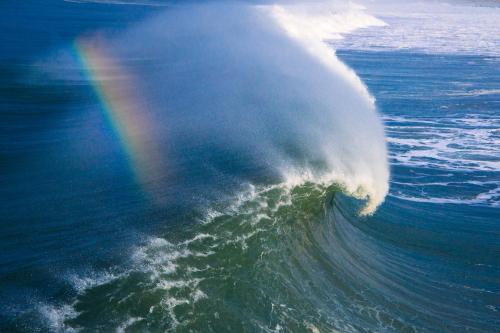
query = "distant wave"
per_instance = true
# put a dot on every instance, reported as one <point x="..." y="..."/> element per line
<point x="476" y="92"/>
<point x="434" y="27"/>
<point x="124" y="2"/>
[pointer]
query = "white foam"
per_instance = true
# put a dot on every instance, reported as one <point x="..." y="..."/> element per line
<point x="82" y="283"/>
<point x="447" y="144"/>
<point x="55" y="316"/>
<point x="129" y="322"/>
<point x="170" y="303"/>
<point x="198" y="237"/>
<point x="490" y="198"/>
<point x="460" y="144"/>
<point x="169" y="284"/>
<point x="123" y="2"/>
<point x="431" y="27"/>
<point x="476" y="92"/>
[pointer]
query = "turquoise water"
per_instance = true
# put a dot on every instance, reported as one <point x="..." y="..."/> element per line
<point x="232" y="247"/>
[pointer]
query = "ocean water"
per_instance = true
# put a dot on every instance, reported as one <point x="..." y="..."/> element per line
<point x="168" y="169"/>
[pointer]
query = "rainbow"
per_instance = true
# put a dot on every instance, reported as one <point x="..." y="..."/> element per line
<point x="124" y="110"/>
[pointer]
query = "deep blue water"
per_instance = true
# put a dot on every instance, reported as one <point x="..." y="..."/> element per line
<point x="82" y="247"/>
<point x="442" y="124"/>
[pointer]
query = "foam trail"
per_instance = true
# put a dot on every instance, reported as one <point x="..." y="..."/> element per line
<point x="262" y="81"/>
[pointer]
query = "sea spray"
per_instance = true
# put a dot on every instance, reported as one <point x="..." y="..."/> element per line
<point x="262" y="82"/>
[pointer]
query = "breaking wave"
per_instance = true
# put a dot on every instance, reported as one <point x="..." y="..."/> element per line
<point x="259" y="82"/>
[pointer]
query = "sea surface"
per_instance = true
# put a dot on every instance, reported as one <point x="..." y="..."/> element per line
<point x="233" y="201"/>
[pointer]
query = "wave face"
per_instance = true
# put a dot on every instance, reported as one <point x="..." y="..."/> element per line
<point x="276" y="258"/>
<point x="259" y="262"/>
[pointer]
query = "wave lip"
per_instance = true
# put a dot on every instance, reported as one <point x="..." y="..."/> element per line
<point x="313" y="27"/>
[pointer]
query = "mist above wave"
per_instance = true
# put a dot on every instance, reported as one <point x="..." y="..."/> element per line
<point x="260" y="79"/>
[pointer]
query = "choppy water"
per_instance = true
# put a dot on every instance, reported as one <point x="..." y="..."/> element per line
<point x="232" y="245"/>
